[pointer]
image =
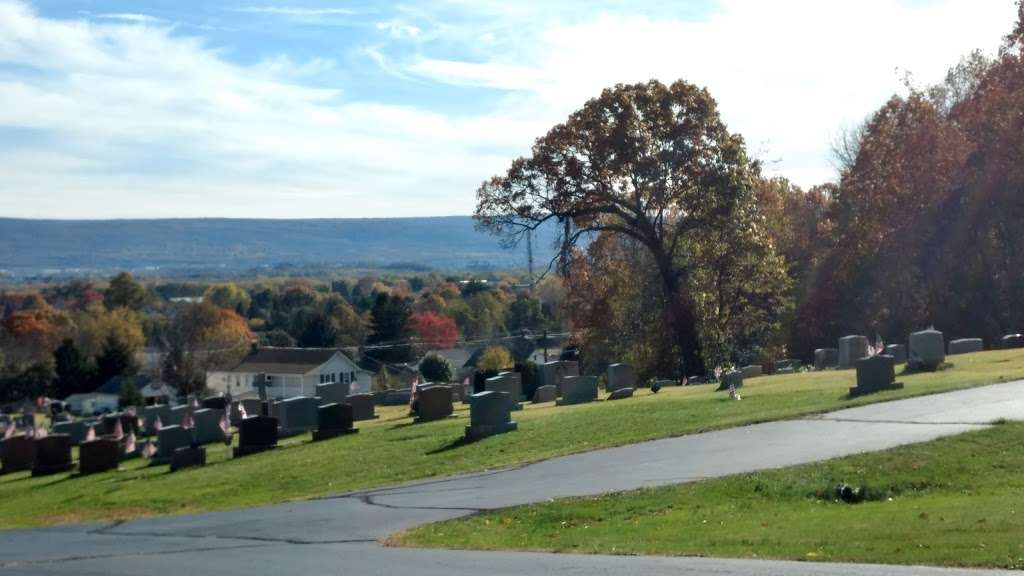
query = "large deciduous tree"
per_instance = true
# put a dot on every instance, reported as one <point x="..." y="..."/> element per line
<point x="648" y="162"/>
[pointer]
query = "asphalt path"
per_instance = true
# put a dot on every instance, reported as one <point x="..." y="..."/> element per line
<point x="341" y="534"/>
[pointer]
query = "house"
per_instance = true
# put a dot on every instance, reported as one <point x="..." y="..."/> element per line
<point x="291" y="372"/>
<point x="462" y="360"/>
<point x="153" y="390"/>
<point x="93" y="403"/>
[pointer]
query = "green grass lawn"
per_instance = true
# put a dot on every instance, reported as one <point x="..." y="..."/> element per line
<point x="393" y="450"/>
<point x="949" y="502"/>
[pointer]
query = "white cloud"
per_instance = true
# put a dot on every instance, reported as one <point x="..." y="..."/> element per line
<point x="296" y="11"/>
<point x="137" y="18"/>
<point x="399" y="30"/>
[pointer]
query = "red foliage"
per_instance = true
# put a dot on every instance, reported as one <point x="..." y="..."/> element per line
<point x="433" y="329"/>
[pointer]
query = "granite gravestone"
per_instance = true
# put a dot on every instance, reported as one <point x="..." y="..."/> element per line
<point x="619" y="376"/>
<point x="256" y="434"/>
<point x="52" y="454"/>
<point x="16" y="454"/>
<point x="188" y="457"/>
<point x="296" y="415"/>
<point x="98" y="455"/>
<point x="898" y="352"/>
<point x="169" y="439"/>
<point x="216" y="403"/>
<point x="75" y="430"/>
<point x="178" y="416"/>
<point x="333" y="420"/>
<point x="874" y="374"/>
<point x="578" y="390"/>
<point x="332" y="393"/>
<point x="362" y="406"/>
<point x="545" y="394"/>
<point x="732" y="378"/>
<point x="621" y="393"/>
<point x="129" y="423"/>
<point x="433" y="403"/>
<point x="400" y="397"/>
<point x="508" y="384"/>
<point x="150" y="415"/>
<point x="1013" y="341"/>
<point x="752" y="370"/>
<point x="851" y="349"/>
<point x="966" y="346"/>
<point x="791" y="364"/>
<point x="253" y="406"/>
<point x="207" y="422"/>
<point x="489" y="414"/>
<point x="825" y="358"/>
<point x="553" y="373"/>
<point x="927" y="350"/>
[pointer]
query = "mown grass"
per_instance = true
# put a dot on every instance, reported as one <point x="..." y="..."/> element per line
<point x="393" y="450"/>
<point x="953" y="502"/>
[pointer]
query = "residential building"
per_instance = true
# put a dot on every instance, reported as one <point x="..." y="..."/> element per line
<point x="291" y="372"/>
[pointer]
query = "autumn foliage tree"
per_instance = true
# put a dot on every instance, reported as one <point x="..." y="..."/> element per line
<point x="433" y="330"/>
<point x="199" y="338"/>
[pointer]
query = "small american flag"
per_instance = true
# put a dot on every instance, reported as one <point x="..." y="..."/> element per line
<point x="40" y="432"/>
<point x="225" y="426"/>
<point x="9" y="432"/>
<point x="241" y="411"/>
<point x="91" y="434"/>
<point x="129" y="445"/>
<point x="148" y="450"/>
<point x="157" y="424"/>
<point x="118" y="430"/>
<point x="186" y="420"/>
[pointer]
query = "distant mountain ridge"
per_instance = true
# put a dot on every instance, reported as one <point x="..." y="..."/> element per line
<point x="187" y="245"/>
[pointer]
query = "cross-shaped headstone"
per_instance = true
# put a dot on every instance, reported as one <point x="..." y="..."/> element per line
<point x="261" y="384"/>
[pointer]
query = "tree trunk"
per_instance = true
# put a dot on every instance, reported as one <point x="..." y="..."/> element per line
<point x="680" y="317"/>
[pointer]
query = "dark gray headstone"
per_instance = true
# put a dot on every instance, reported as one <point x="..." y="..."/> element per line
<point x="791" y="363"/>
<point x="296" y="415"/>
<point x="151" y="413"/>
<point x="489" y="414"/>
<point x="207" y="426"/>
<point x="619" y="376"/>
<point x="433" y="403"/>
<point x="188" y="457"/>
<point x="362" y="406"/>
<point x="52" y="455"/>
<point x="253" y="406"/>
<point x="99" y="455"/>
<point x="578" y="390"/>
<point x="621" y="393"/>
<point x="509" y="384"/>
<point x="966" y="346"/>
<point x="332" y="393"/>
<point x="545" y="394"/>
<point x="825" y="358"/>
<point x="752" y="371"/>
<point x="927" y="350"/>
<point x="851" y="349"/>
<point x="898" y="352"/>
<point x="333" y="420"/>
<point x="169" y="439"/>
<point x="552" y="373"/>
<point x="733" y="378"/>
<point x="399" y="397"/>
<point x="75" y="430"/>
<point x="216" y="403"/>
<point x="874" y="374"/>
<point x="256" y="434"/>
<point x="16" y="454"/>
<point x="1013" y="341"/>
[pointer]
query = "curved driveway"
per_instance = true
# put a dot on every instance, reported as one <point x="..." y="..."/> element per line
<point x="340" y="534"/>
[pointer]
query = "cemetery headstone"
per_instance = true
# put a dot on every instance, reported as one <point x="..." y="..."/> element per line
<point x="552" y="373"/>
<point x="927" y="350"/>
<point x="256" y="434"/>
<point x="52" y="455"/>
<point x="489" y="414"/>
<point x="161" y="411"/>
<point x="664" y="383"/>
<point x="578" y="390"/>
<point x="509" y="384"/>
<point x="188" y="457"/>
<point x="545" y="394"/>
<point x="851" y="349"/>
<point x="874" y="374"/>
<point x="296" y="415"/>
<point x="75" y="430"/>
<point x="253" y="406"/>
<point x="621" y="393"/>
<point x="216" y="403"/>
<point x="98" y="455"/>
<point x="169" y="439"/>
<point x="825" y="358"/>
<point x="400" y="397"/>
<point x="16" y="454"/>
<point x="433" y="403"/>
<point x="333" y="420"/>
<point x="752" y="371"/>
<point x="791" y="363"/>
<point x="966" y="346"/>
<point x="362" y="406"/>
<point x="207" y="422"/>
<point x="619" y="376"/>
<point x="1013" y="341"/>
<point x="898" y="352"/>
<point x="332" y="393"/>
<point x="129" y="423"/>
<point x="733" y="378"/>
<point x="178" y="416"/>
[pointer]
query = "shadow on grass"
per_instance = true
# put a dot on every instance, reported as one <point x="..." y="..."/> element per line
<point x="453" y="445"/>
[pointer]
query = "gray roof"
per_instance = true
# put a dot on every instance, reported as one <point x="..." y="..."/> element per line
<point x="284" y="360"/>
<point x="459" y="357"/>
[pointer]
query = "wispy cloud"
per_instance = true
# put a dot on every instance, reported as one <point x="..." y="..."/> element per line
<point x="129" y="17"/>
<point x="296" y="11"/>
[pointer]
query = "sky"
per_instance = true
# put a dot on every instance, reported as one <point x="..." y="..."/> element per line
<point x="351" y="108"/>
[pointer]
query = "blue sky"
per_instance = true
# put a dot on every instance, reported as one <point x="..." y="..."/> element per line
<point x="345" y="108"/>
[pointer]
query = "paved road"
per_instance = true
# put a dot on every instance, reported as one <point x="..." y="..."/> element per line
<point x="340" y="534"/>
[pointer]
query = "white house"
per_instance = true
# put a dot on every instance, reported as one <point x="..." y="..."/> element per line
<point x="292" y="372"/>
<point x="92" y="403"/>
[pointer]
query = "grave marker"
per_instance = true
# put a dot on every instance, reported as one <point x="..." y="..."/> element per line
<point x="619" y="376"/>
<point x="545" y="394"/>
<point x="851" y="349"/>
<point x="578" y="390"/>
<point x="966" y="346"/>
<point x="16" y="454"/>
<point x="333" y="420"/>
<point x="489" y="414"/>
<point x="875" y="374"/>
<point x="927" y="350"/>
<point x="256" y="434"/>
<point x="98" y="455"/>
<point x="52" y="455"/>
<point x="433" y="403"/>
